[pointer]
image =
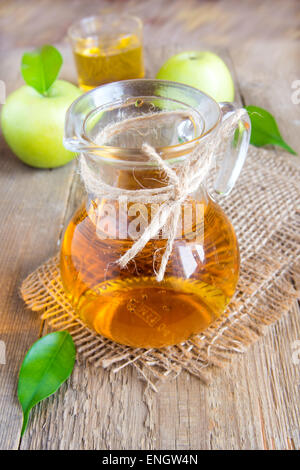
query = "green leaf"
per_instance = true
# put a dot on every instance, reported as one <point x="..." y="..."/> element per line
<point x="47" y="364"/>
<point x="264" y="129"/>
<point x="40" y="68"/>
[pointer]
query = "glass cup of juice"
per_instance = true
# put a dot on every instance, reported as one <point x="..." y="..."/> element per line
<point x="107" y="48"/>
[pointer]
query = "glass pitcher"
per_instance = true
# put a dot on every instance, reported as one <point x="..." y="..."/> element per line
<point x="129" y="305"/>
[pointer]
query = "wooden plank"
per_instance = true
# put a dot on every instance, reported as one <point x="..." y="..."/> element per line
<point x="266" y="72"/>
<point x="32" y="205"/>
<point x="224" y="23"/>
<point x="253" y="403"/>
<point x="275" y="378"/>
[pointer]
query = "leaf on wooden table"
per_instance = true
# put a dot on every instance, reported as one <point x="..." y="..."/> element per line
<point x="47" y="364"/>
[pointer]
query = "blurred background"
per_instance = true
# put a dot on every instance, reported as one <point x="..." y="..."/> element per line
<point x="224" y="23"/>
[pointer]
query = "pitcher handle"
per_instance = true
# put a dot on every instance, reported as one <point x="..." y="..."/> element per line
<point x="235" y="154"/>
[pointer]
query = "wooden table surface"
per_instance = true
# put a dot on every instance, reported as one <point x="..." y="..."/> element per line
<point x="254" y="402"/>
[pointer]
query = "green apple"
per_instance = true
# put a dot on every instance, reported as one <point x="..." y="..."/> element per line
<point x="33" y="124"/>
<point x="203" y="70"/>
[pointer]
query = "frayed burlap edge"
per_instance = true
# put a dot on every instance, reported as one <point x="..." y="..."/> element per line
<point x="266" y="291"/>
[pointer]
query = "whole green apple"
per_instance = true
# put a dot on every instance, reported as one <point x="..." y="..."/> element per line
<point x="203" y="70"/>
<point x="33" y="124"/>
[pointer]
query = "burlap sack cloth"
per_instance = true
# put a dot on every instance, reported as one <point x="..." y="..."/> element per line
<point x="264" y="213"/>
